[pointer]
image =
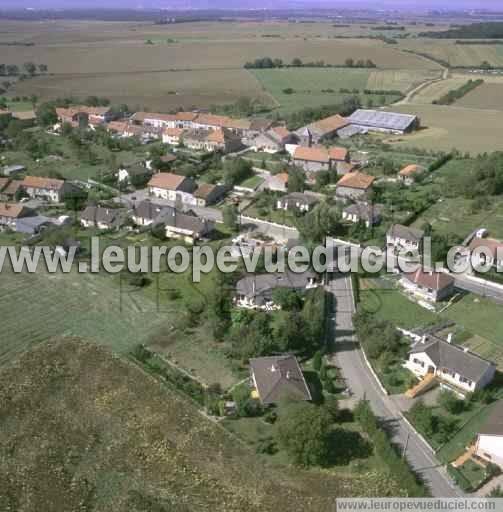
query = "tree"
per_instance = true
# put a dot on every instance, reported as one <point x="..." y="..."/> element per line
<point x="46" y="114"/>
<point x="296" y="180"/>
<point x="12" y="69"/>
<point x="237" y="170"/>
<point x="304" y="432"/>
<point x="230" y="217"/>
<point x="286" y="299"/>
<point x="296" y="62"/>
<point x="289" y="332"/>
<point x="30" y="68"/>
<point x="349" y="62"/>
<point x="245" y="405"/>
<point x="323" y="220"/>
<point x="322" y="180"/>
<point x="451" y="403"/>
<point x="219" y="306"/>
<point x="317" y="360"/>
<point x="497" y="492"/>
<point x="42" y="68"/>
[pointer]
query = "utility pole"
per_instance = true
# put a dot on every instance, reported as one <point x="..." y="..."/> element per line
<point x="406" y="445"/>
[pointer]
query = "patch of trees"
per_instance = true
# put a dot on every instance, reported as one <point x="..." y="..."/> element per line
<point x="383" y="448"/>
<point x="237" y="170"/>
<point x="27" y="69"/>
<point x="478" y="43"/>
<point x="299" y="328"/>
<point x="388" y="27"/>
<point x="455" y="94"/>
<point x="310" y="114"/>
<point x="488" y="30"/>
<point x="274" y="63"/>
<point x="322" y="221"/>
<point x="483" y="178"/>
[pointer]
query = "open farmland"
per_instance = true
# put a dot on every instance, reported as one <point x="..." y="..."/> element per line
<point x="189" y="64"/>
<point x="487" y="96"/>
<point x="111" y="437"/>
<point x="445" y="128"/>
<point x="458" y="54"/>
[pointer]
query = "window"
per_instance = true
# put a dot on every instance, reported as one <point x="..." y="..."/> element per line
<point x="418" y="362"/>
<point x="465" y="380"/>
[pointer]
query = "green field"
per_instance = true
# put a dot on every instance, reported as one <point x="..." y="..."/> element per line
<point x="313" y="87"/>
<point x="488" y="96"/>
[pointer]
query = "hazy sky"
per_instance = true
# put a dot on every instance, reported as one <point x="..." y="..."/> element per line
<point x="405" y="4"/>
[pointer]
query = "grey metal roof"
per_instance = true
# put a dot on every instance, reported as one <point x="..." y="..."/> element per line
<point x="31" y="225"/>
<point x="405" y="232"/>
<point x="277" y="377"/>
<point x="381" y="119"/>
<point x="454" y="357"/>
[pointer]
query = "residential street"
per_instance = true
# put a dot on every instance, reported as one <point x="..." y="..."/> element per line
<point x="349" y="358"/>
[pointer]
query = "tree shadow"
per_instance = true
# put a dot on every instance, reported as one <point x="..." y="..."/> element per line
<point x="347" y="445"/>
<point x="315" y="387"/>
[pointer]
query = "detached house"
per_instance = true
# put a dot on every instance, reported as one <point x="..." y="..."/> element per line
<point x="207" y="194"/>
<point x="296" y="201"/>
<point x="188" y="228"/>
<point x="147" y="212"/>
<point x="278" y="377"/>
<point x="273" y="140"/>
<point x="354" y="185"/>
<point x="404" y="238"/>
<point x="255" y="291"/>
<point x="408" y="174"/>
<point x="166" y="185"/>
<point x="431" y="286"/>
<point x="489" y="443"/>
<point x="368" y="213"/>
<point x="102" y="218"/>
<point x="494" y="258"/>
<point x="50" y="189"/>
<point x="311" y="159"/>
<point x="454" y="366"/>
<point x="133" y="172"/>
<point x="11" y="212"/>
<point x="278" y="182"/>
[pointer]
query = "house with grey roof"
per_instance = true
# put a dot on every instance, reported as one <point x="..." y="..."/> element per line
<point x="255" y="291"/>
<point x="278" y="377"/>
<point x="133" y="172"/>
<point x="361" y="211"/>
<point x="455" y="367"/>
<point x="183" y="226"/>
<point x="489" y="443"/>
<point x="146" y="212"/>
<point x="102" y="217"/>
<point x="404" y="238"/>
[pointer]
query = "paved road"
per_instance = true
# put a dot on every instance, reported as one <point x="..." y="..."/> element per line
<point x="488" y="289"/>
<point x="360" y="380"/>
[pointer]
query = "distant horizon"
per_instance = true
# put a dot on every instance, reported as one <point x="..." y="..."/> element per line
<point x="247" y="5"/>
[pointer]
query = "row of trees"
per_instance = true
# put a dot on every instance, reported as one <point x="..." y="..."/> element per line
<point x="455" y="94"/>
<point x="30" y="68"/>
<point x="271" y="63"/>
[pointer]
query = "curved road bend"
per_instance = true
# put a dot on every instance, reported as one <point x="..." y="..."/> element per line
<point x="360" y="380"/>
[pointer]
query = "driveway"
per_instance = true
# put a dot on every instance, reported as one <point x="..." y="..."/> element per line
<point x="349" y="358"/>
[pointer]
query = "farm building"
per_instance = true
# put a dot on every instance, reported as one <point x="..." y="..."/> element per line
<point x="276" y="377"/>
<point x="380" y="121"/>
<point x="431" y="286"/>
<point x="354" y="185"/>
<point x="454" y="366"/>
<point x="489" y="443"/>
<point x="321" y="130"/>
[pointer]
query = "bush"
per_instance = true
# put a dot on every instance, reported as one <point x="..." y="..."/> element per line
<point x="451" y="403"/>
<point x="317" y="360"/>
<point x="459" y="478"/>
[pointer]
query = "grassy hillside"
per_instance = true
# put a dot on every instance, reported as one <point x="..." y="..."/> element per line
<point x="85" y="430"/>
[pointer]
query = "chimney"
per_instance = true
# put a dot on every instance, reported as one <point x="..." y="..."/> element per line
<point x="449" y="338"/>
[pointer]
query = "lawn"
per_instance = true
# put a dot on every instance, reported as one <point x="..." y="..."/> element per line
<point x="272" y="215"/>
<point x="391" y="305"/>
<point x="253" y="182"/>
<point x="474" y="473"/>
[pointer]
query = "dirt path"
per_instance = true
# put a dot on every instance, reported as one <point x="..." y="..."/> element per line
<point x="412" y="93"/>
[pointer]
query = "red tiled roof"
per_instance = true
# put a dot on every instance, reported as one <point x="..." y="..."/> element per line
<point x="185" y="116"/>
<point x="311" y="154"/>
<point x="12" y="210"/>
<point x="3" y="183"/>
<point x="281" y="131"/>
<point x="409" y="170"/>
<point x="12" y="187"/>
<point x="338" y="154"/>
<point x="489" y="243"/>
<point x="141" y="116"/>
<point x="356" y="180"/>
<point x="282" y="176"/>
<point x="166" y="180"/>
<point x="173" y="132"/>
<point x="433" y="280"/>
<point x="40" y="182"/>
<point x="329" y="124"/>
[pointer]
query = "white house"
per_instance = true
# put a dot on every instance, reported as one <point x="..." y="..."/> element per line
<point x="455" y="367"/>
<point x="296" y="201"/>
<point x="172" y="136"/>
<point x="166" y="185"/>
<point x="431" y="286"/>
<point x="489" y="443"/>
